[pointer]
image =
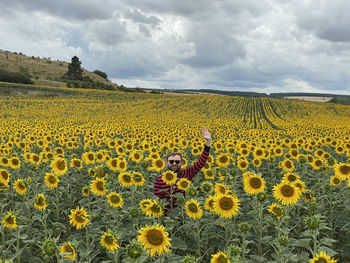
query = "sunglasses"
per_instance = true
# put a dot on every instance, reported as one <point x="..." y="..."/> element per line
<point x="174" y="161"/>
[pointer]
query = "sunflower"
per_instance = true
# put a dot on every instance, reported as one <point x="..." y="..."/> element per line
<point x="136" y="156"/>
<point x="207" y="187"/>
<point x="158" y="165"/>
<point x="335" y="180"/>
<point x="144" y="204"/>
<point x="68" y="251"/>
<point x="276" y="210"/>
<point x="122" y="165"/>
<point x="259" y="153"/>
<point x="342" y="171"/>
<point x="209" y="174"/>
<point x="219" y="257"/>
<point x="183" y="184"/>
<point x="85" y="191"/>
<point x="209" y="204"/>
<point x="98" y="186"/>
<point x="59" y="166"/>
<point x="4" y="161"/>
<point x="138" y="179"/>
<point x="20" y="186"/>
<point x="226" y="205"/>
<point x="220" y="189"/>
<point x="125" y="179"/>
<point x="9" y="221"/>
<point x="109" y="241"/>
<point x="322" y="258"/>
<point x="223" y="160"/>
<point x="88" y="157"/>
<point x="115" y="200"/>
<point x="290" y="177"/>
<point x="288" y="194"/>
<point x="40" y="202"/>
<point x="300" y="185"/>
<point x="257" y="162"/>
<point x="154" y="239"/>
<point x="317" y="163"/>
<point x="253" y="184"/>
<point x="14" y="163"/>
<point x="4" y="176"/>
<point x="193" y="209"/>
<point x="78" y="218"/>
<point x="113" y="164"/>
<point x="34" y="158"/>
<point x="51" y="180"/>
<point x="154" y="209"/>
<point x="242" y="164"/>
<point x="169" y="177"/>
<point x="287" y="165"/>
<point x="308" y="197"/>
<point x="76" y="163"/>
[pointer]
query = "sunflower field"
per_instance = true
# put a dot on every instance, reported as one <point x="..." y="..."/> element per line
<point x="77" y="173"/>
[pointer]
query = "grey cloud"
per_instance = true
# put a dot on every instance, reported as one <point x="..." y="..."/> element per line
<point x="328" y="20"/>
<point x="139" y="17"/>
<point x="76" y="10"/>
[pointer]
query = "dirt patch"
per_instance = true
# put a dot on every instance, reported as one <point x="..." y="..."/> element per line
<point x="307" y="98"/>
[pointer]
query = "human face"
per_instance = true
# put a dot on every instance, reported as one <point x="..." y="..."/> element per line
<point x="174" y="163"/>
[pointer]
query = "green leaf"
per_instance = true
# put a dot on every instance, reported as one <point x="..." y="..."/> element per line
<point x="301" y="242"/>
<point x="258" y="258"/>
<point x="327" y="241"/>
<point x="177" y="243"/>
<point x="330" y="252"/>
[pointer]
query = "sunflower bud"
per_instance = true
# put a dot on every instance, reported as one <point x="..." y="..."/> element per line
<point x="134" y="250"/>
<point x="313" y="207"/>
<point x="313" y="222"/>
<point x="244" y="227"/>
<point x="233" y="251"/>
<point x="283" y="241"/>
<point x="261" y="196"/>
<point x="34" y="167"/>
<point x="134" y="212"/>
<point x="145" y="164"/>
<point x="189" y="259"/>
<point x="192" y="192"/>
<point x="49" y="248"/>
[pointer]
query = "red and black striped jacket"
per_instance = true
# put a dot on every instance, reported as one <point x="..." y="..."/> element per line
<point x="162" y="190"/>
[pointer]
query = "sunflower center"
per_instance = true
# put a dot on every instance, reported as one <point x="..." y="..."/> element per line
<point x="255" y="183"/>
<point x="115" y="199"/>
<point x="277" y="211"/>
<point x="15" y="162"/>
<point x="336" y="181"/>
<point x="288" y="164"/>
<point x="122" y="165"/>
<point x="100" y="186"/>
<point x="318" y="163"/>
<point x="243" y="164"/>
<point x="4" y="175"/>
<point x="40" y="201"/>
<point x="79" y="217"/>
<point x="226" y="203"/>
<point x="291" y="177"/>
<point x="109" y="239"/>
<point x="287" y="191"/>
<point x="344" y="169"/>
<point x="21" y="185"/>
<point x="155" y="208"/>
<point x="155" y="237"/>
<point x="76" y="163"/>
<point x="321" y="260"/>
<point x="136" y="156"/>
<point x="137" y="178"/>
<point x="259" y="152"/>
<point x="193" y="208"/>
<point x="127" y="178"/>
<point x="68" y="249"/>
<point x="90" y="157"/>
<point x="159" y="163"/>
<point x="169" y="176"/>
<point x="61" y="165"/>
<point x="52" y="179"/>
<point x="10" y="220"/>
<point x="223" y="159"/>
<point x="114" y="163"/>
<point x="222" y="259"/>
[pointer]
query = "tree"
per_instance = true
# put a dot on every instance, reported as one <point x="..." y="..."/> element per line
<point x="74" y="70"/>
<point x="101" y="73"/>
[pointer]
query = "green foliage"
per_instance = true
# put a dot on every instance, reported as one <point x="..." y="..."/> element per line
<point x="74" y="70"/>
<point x="101" y="73"/>
<point x="13" y="77"/>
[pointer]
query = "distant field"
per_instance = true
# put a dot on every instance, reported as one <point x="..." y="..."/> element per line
<point x="307" y="98"/>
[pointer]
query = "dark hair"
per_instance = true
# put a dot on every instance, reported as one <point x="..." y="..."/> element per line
<point x="173" y="154"/>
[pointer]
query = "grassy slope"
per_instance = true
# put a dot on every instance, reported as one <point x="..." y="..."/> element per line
<point x="42" y="71"/>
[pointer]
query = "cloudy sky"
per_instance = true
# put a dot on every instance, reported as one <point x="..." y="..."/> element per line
<point x="246" y="45"/>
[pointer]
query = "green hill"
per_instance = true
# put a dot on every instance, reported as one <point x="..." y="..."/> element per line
<point x="42" y="71"/>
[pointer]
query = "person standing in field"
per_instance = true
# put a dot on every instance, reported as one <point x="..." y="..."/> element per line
<point x="174" y="163"/>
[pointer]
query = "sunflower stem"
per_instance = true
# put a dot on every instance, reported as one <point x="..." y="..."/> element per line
<point x="115" y="256"/>
<point x="87" y="244"/>
<point x="198" y="239"/>
<point x="57" y="208"/>
<point x="17" y="247"/>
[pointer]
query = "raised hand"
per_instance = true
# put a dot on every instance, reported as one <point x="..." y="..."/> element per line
<point x="206" y="135"/>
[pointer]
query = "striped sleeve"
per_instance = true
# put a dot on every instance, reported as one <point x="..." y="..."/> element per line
<point x="192" y="170"/>
<point x="160" y="188"/>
